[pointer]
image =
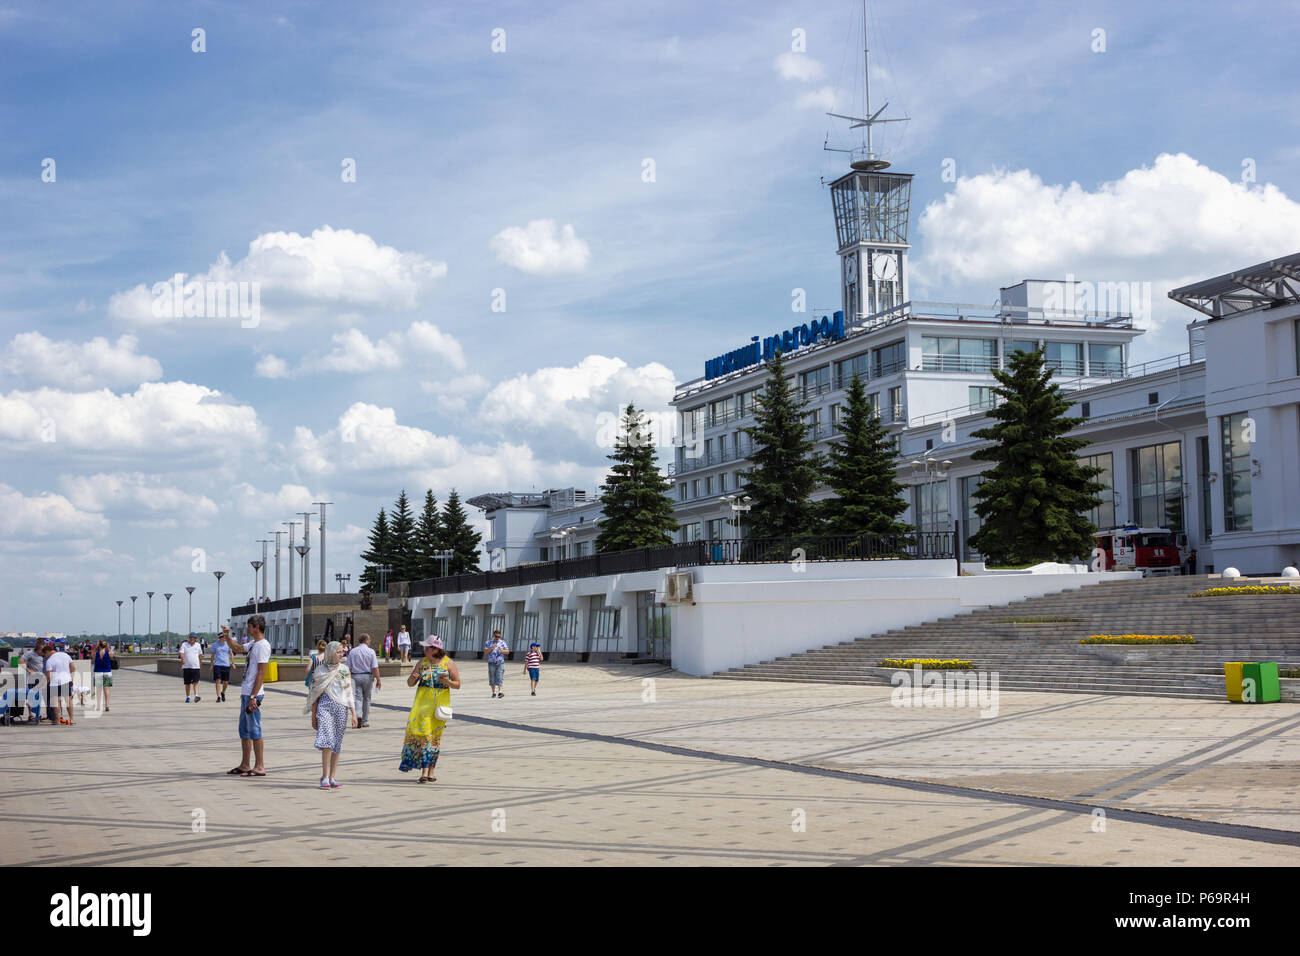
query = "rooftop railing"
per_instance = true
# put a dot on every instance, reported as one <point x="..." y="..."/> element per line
<point x="863" y="547"/>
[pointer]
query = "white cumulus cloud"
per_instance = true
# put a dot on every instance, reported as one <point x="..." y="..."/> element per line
<point x="137" y="493"/>
<point x="299" y="278"/>
<point x="798" y="66"/>
<point x="542" y="248"/>
<point x="45" y="515"/>
<point x="33" y="359"/>
<point x="354" y="351"/>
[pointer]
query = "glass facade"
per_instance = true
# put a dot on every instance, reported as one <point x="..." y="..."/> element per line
<point x="564" y="631"/>
<point x="1065" y="357"/>
<point x="1105" y="360"/>
<point x="1203" y="473"/>
<point x="930" y="505"/>
<point x="845" y="370"/>
<point x="1019" y="345"/>
<point x="897" y="412"/>
<point x="1236" y="474"/>
<point x="654" y="627"/>
<point x="945" y="354"/>
<point x="602" y="626"/>
<point x="970" y="521"/>
<point x="1103" y="516"/>
<point x="816" y="381"/>
<point x="981" y="396"/>
<point x="889" y="358"/>
<point x="1157" y="473"/>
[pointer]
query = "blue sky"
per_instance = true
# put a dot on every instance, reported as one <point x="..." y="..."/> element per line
<point x="379" y="362"/>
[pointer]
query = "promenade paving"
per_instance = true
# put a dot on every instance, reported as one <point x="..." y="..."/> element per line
<point x="628" y="764"/>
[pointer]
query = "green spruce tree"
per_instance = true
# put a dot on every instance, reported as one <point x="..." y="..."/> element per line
<point x="401" y="530"/>
<point x="377" y="556"/>
<point x="458" y="536"/>
<point x="636" y="509"/>
<point x="1034" y="501"/>
<point x="784" y="468"/>
<point x="428" y="539"/>
<point x="859" y="469"/>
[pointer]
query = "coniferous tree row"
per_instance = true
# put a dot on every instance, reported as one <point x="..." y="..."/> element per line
<point x="377" y="556"/>
<point x="459" y="536"/>
<point x="428" y="539"/>
<point x="783" y="469"/>
<point x="636" y="509"/>
<point x="859" y="469"/>
<point x="1034" y="501"/>
<point x="402" y="551"/>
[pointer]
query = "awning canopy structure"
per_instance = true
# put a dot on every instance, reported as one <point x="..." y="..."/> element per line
<point x="1265" y="285"/>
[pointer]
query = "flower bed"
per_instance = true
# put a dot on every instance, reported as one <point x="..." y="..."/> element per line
<point x="1247" y="589"/>
<point x="928" y="663"/>
<point x="1139" y="639"/>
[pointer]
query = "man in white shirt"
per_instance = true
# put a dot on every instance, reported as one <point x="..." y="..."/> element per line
<point x="258" y="649"/>
<point x="364" y="666"/>
<point x="190" y="655"/>
<point x="404" y="643"/>
<point x="58" y="671"/>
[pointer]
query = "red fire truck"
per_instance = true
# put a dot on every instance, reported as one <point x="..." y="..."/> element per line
<point x="1153" y="551"/>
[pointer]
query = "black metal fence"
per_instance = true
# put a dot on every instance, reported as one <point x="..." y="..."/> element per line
<point x="790" y="549"/>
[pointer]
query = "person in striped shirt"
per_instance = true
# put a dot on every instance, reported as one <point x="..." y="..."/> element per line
<point x="533" y="664"/>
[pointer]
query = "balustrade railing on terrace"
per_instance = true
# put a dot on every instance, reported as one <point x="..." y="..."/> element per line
<point x="790" y="549"/>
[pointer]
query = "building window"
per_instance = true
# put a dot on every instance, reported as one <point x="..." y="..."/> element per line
<point x="692" y="531"/>
<point x="708" y="451"/>
<point x="945" y="354"/>
<point x="1103" y="516"/>
<point x="874" y="401"/>
<point x="1105" y="361"/>
<point x="722" y="411"/>
<point x="1153" y="398"/>
<point x="845" y="370"/>
<point x="681" y="491"/>
<point x="896" y="403"/>
<point x="1236" y="474"/>
<point x="1065" y="357"/>
<point x="1019" y="345"/>
<point x="816" y="381"/>
<point x="970" y="520"/>
<point x="930" y="505"/>
<point x="714" y="529"/>
<point x="693" y="424"/>
<point x="813" y="421"/>
<point x="708" y="486"/>
<point x="695" y="488"/>
<point x="722" y="481"/>
<point x="929" y="444"/>
<point x="889" y="358"/>
<point x="1157" y="472"/>
<point x="981" y="396"/>
<point x="1086" y="409"/>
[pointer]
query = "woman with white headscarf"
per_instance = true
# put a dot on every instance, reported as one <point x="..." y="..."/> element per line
<point x="331" y="708"/>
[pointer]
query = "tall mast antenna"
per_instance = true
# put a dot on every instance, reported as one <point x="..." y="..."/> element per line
<point x="865" y="157"/>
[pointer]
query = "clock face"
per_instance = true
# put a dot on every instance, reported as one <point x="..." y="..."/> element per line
<point x="851" y="269"/>
<point x="885" y="267"/>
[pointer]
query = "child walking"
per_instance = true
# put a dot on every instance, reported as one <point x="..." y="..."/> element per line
<point x="533" y="664"/>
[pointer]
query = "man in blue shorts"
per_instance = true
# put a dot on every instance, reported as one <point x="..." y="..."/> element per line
<point x="258" y="649"/>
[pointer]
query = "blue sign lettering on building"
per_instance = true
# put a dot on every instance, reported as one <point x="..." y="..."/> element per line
<point x="827" y="328"/>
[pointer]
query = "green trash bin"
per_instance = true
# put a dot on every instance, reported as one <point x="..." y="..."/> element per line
<point x="13" y="661"/>
<point x="1263" y="678"/>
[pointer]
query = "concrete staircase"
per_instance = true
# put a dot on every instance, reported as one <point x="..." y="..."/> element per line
<point x="1046" y="656"/>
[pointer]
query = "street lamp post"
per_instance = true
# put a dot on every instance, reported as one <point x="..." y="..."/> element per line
<point x="305" y="547"/>
<point x="558" y="535"/>
<point x="340" y="577"/>
<point x="169" y="611"/>
<point x="302" y="550"/>
<point x="277" y="562"/>
<point x="933" y="470"/>
<point x="265" y="564"/>
<point x="119" y="623"/>
<point x="445" y="557"/>
<point x="739" y="504"/>
<point x="133" y="597"/>
<point x="256" y="566"/>
<point x="322" y="505"/>
<point x="383" y="578"/>
<point x="190" y="591"/>
<point x="292" y="525"/>
<point x="219" y="575"/>
<point x="150" y="593"/>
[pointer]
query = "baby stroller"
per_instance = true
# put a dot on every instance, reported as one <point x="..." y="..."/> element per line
<point x="13" y="700"/>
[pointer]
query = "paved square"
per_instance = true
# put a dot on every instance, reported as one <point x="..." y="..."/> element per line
<point x="628" y="764"/>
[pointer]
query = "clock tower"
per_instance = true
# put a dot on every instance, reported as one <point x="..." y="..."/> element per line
<point x="872" y="208"/>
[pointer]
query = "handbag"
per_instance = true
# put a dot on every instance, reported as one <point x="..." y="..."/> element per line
<point x="311" y="670"/>
<point x="443" y="713"/>
<point x="114" y="663"/>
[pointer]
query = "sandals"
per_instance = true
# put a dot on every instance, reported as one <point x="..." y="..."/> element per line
<point x="237" y="771"/>
<point x="252" y="773"/>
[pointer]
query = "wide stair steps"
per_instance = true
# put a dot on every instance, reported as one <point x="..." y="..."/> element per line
<point x="1045" y="657"/>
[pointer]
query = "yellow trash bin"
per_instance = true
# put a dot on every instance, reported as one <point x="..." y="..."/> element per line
<point x="1232" y="679"/>
<point x="273" y="675"/>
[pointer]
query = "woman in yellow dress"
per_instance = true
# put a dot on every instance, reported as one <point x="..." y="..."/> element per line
<point x="434" y="678"/>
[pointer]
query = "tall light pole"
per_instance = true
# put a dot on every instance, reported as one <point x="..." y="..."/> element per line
<point x="321" y="505"/>
<point x="306" y="540"/>
<point x="263" y="542"/>
<point x="444" y="557"/>
<point x="277" y="562"/>
<point x="739" y="504"/>
<point x="150" y="593"/>
<point x="169" y="612"/>
<point x="558" y="535"/>
<point x="119" y="622"/>
<point x="292" y="525"/>
<point x="383" y="577"/>
<point x="133" y="597"/>
<point x="303" y="550"/>
<point x="219" y="576"/>
<point x="256" y="566"/>
<point x="190" y="591"/>
<point x="340" y="578"/>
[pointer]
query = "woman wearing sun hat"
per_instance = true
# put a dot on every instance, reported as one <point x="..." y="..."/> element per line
<point x="434" y="678"/>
